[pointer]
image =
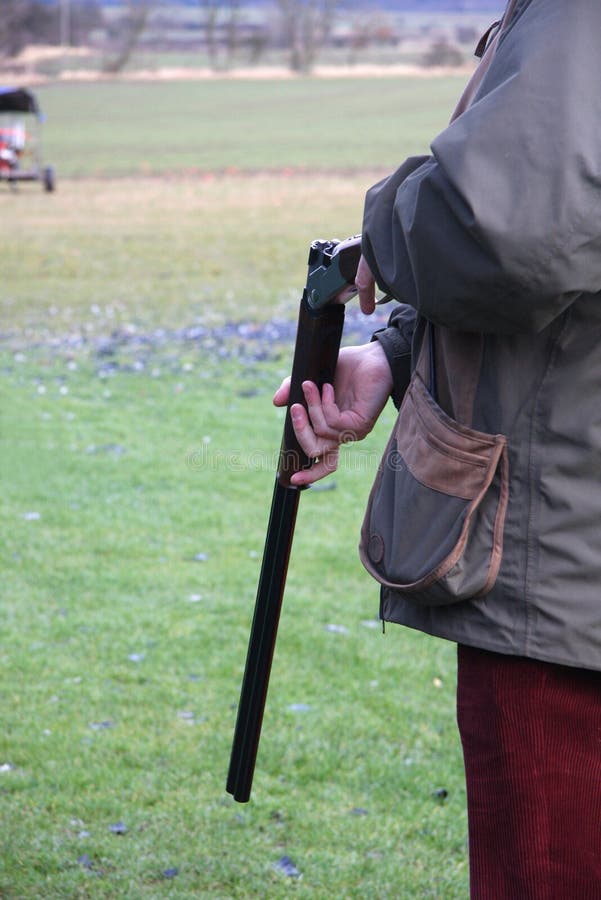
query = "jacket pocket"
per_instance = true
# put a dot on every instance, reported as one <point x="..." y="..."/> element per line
<point x="434" y="522"/>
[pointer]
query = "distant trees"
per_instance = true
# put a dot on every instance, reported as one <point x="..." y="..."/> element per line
<point x="210" y="12"/>
<point x="307" y="25"/>
<point x="227" y="32"/>
<point x="85" y="17"/>
<point x="442" y="53"/>
<point x="224" y="34"/>
<point x="302" y="28"/>
<point x="213" y="13"/>
<point x="131" y="26"/>
<point x="24" y="22"/>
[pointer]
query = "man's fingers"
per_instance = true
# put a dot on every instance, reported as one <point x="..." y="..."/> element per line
<point x="321" y="468"/>
<point x="319" y="420"/>
<point x="280" y="398"/>
<point x="367" y="299"/>
<point x="315" y="429"/>
<point x="366" y="287"/>
<point x="324" y="453"/>
<point x="336" y="426"/>
<point x="334" y="419"/>
<point x="303" y="430"/>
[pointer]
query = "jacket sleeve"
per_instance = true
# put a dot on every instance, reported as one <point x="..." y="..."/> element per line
<point x="396" y="341"/>
<point x="499" y="229"/>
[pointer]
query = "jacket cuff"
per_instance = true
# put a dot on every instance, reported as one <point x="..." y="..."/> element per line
<point x="398" y="353"/>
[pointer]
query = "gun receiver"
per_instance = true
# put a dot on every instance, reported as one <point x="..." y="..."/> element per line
<point x="332" y="267"/>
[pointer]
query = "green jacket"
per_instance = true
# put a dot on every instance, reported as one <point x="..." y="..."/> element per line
<point x="495" y="238"/>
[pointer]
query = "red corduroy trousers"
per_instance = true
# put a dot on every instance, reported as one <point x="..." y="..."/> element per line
<point x="531" y="736"/>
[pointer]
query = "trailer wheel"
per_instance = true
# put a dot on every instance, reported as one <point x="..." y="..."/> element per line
<point x="49" y="180"/>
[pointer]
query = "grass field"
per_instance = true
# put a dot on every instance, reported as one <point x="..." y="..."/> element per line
<point x="144" y="127"/>
<point x="144" y="329"/>
<point x="167" y="251"/>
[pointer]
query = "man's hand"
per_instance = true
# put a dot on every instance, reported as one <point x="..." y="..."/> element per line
<point x="366" y="287"/>
<point x="344" y="412"/>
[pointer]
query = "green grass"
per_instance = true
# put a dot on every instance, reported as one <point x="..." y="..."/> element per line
<point x="116" y="484"/>
<point x="127" y="449"/>
<point x="332" y="124"/>
<point x="138" y="253"/>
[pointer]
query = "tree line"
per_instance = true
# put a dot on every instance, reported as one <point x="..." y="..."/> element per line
<point x="301" y="28"/>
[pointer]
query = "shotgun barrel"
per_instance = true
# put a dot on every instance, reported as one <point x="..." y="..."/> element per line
<point x="332" y="267"/>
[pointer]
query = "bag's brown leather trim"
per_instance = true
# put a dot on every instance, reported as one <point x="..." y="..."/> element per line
<point x="459" y="549"/>
<point x="472" y="459"/>
<point x="468" y="454"/>
<point x="497" y="548"/>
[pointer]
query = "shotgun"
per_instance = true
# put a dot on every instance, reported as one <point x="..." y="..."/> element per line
<point x="332" y="267"/>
